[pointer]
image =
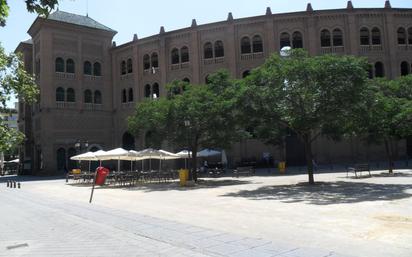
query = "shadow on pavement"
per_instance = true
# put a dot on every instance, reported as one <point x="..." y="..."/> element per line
<point x="168" y="186"/>
<point x="324" y="193"/>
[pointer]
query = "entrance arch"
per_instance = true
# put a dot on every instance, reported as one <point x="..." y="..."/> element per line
<point x="61" y="159"/>
<point x="128" y="142"/>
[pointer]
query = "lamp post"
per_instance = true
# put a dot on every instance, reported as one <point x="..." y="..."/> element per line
<point x="79" y="145"/>
<point x="187" y="125"/>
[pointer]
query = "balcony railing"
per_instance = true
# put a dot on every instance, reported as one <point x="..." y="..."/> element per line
<point x="65" y="105"/>
<point x="405" y="47"/>
<point x="371" y="48"/>
<point x="92" y="78"/>
<point x="213" y="60"/>
<point x="64" y="75"/>
<point x="92" y="106"/>
<point x="333" y="50"/>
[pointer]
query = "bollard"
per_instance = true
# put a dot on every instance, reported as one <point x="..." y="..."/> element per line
<point x="8" y="182"/>
<point x="18" y="185"/>
<point x="14" y="184"/>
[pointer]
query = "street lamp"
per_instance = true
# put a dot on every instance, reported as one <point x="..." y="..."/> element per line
<point x="187" y="125"/>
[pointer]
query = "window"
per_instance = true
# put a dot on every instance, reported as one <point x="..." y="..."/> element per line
<point x="97" y="69"/>
<point x="175" y="56"/>
<point x="364" y="36"/>
<point x="245" y="73"/>
<point x="87" y="68"/>
<point x="404" y="68"/>
<point x="129" y="65"/>
<point x="59" y="94"/>
<point x="257" y="44"/>
<point x="401" y="36"/>
<point x="123" y="67"/>
<point x="155" y="60"/>
<point x="208" y="50"/>
<point x="184" y="52"/>
<point x="297" y="40"/>
<point x="325" y="38"/>
<point x="88" y="96"/>
<point x="410" y="36"/>
<point x="337" y="37"/>
<point x="284" y="40"/>
<point x="124" y="96"/>
<point x="70" y="66"/>
<point x="130" y="95"/>
<point x="59" y="65"/>
<point x="97" y="97"/>
<point x="219" y="49"/>
<point x="156" y="91"/>
<point x="71" y="95"/>
<point x="245" y="46"/>
<point x="146" y="62"/>
<point x="379" y="70"/>
<point x="376" y="36"/>
<point x="147" y="91"/>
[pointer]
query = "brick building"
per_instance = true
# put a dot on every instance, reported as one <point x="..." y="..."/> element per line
<point x="89" y="85"/>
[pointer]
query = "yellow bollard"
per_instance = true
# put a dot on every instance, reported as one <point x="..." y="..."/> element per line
<point x="282" y="167"/>
<point x="183" y="176"/>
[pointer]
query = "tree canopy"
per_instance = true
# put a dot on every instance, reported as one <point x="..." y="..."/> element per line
<point x="191" y="116"/>
<point x="385" y="114"/>
<point x="42" y="7"/>
<point x="309" y="96"/>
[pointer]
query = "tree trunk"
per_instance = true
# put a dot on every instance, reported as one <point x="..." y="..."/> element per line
<point x="388" y="149"/>
<point x="309" y="158"/>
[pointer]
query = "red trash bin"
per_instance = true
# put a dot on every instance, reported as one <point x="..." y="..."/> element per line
<point x="101" y="174"/>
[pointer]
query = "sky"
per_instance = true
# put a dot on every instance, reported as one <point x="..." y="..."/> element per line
<point x="144" y="18"/>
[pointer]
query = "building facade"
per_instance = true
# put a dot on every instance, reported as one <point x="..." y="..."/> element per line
<point x="89" y="86"/>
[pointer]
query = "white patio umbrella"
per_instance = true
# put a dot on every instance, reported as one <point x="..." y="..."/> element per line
<point x="13" y="161"/>
<point x="89" y="156"/>
<point x="208" y="153"/>
<point x="115" y="154"/>
<point x="185" y="154"/>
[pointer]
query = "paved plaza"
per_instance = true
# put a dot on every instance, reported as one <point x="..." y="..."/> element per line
<point x="254" y="216"/>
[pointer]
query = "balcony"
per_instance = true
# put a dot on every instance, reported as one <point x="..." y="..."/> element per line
<point x="252" y="56"/>
<point x="179" y="66"/>
<point x="403" y="48"/>
<point x="333" y="50"/>
<point x="92" y="78"/>
<point x="128" y="105"/>
<point x="92" y="107"/>
<point x="151" y="71"/>
<point x="126" y="76"/>
<point x="213" y="60"/>
<point x="371" y="48"/>
<point x="63" y="75"/>
<point x="65" y="105"/>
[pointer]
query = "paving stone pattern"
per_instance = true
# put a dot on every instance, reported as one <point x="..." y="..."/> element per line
<point x="35" y="226"/>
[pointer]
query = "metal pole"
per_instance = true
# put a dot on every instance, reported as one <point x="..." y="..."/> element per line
<point x="94" y="183"/>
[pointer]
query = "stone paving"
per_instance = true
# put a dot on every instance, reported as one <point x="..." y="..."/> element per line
<point x="36" y="226"/>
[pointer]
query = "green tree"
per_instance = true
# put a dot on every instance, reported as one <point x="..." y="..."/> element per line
<point x="310" y="96"/>
<point x="385" y="114"/>
<point x="192" y="116"/>
<point x="14" y="80"/>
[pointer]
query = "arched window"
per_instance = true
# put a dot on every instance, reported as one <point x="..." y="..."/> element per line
<point x="87" y="68"/>
<point x="325" y="38"/>
<point x="130" y="95"/>
<point x="129" y="65"/>
<point x="97" y="97"/>
<point x="155" y="60"/>
<point x="297" y="40"/>
<point x="187" y="80"/>
<point x="208" y="50"/>
<point x="219" y="49"/>
<point x="123" y="67"/>
<point x="245" y="46"/>
<point x="147" y="91"/>
<point x="401" y="36"/>
<point x="70" y="68"/>
<point x="97" y="69"/>
<point x="175" y="58"/>
<point x="404" y="68"/>
<point x="156" y="91"/>
<point x="364" y="36"/>
<point x="376" y="36"/>
<point x="184" y="53"/>
<point x="71" y="95"/>
<point x="370" y="71"/>
<point x="379" y="70"/>
<point x="71" y="163"/>
<point x="124" y="96"/>
<point x="257" y="44"/>
<point x="146" y="62"/>
<point x="284" y="40"/>
<point x="410" y="36"/>
<point x="59" y="65"/>
<point x="337" y="37"/>
<point x="88" y="96"/>
<point x="59" y="94"/>
<point x="245" y="73"/>
<point x="61" y="159"/>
